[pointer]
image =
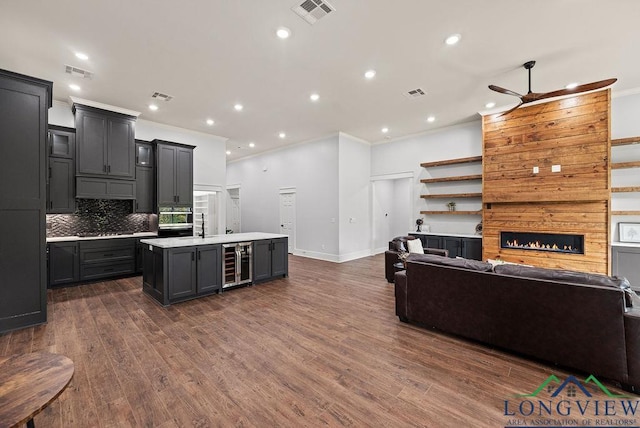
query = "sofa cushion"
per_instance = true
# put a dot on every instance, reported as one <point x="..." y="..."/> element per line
<point x="415" y="246"/>
<point x="446" y="261"/>
<point x="570" y="276"/>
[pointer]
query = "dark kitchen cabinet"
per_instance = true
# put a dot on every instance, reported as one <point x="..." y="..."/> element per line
<point x="209" y="269"/>
<point x="182" y="273"/>
<point x="64" y="263"/>
<point x="145" y="178"/>
<point x="103" y="258"/>
<point x="625" y="261"/>
<point x="153" y="276"/>
<point x="105" y="143"/>
<point x="62" y="143"/>
<point x="174" y="174"/>
<point x="469" y="248"/>
<point x="105" y="188"/>
<point x="270" y="259"/>
<point x="61" y="186"/>
<point x="24" y="105"/>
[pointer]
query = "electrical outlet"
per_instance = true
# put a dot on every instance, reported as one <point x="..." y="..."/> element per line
<point x="556" y="168"/>
<point x="536" y="170"/>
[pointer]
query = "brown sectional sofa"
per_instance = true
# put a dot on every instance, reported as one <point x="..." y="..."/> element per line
<point x="578" y="321"/>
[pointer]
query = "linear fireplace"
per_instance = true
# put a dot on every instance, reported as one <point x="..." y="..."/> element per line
<point x="553" y="242"/>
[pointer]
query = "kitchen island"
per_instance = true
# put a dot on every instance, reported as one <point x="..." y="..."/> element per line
<point x="183" y="268"/>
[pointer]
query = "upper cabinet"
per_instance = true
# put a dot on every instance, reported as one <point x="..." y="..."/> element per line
<point x="105" y="143"/>
<point x="61" y="149"/>
<point x="175" y="174"/>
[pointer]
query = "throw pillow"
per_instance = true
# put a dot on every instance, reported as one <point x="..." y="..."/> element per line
<point x="415" y="246"/>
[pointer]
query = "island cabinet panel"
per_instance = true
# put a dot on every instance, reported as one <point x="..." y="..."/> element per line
<point x="270" y="259"/>
<point x="24" y="104"/>
<point x="182" y="273"/>
<point x="209" y="269"/>
<point x="153" y="281"/>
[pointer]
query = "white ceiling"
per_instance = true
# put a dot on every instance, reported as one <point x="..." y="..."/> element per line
<point x="211" y="54"/>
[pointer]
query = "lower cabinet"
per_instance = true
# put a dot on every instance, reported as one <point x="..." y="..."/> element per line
<point x="176" y="274"/>
<point x="270" y="259"/>
<point x="105" y="258"/>
<point x="625" y="262"/>
<point x="64" y="263"/>
<point x="469" y="248"/>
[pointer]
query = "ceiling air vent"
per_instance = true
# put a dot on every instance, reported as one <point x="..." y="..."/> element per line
<point x="161" y="96"/>
<point x="312" y="10"/>
<point x="415" y="93"/>
<point x="78" y="72"/>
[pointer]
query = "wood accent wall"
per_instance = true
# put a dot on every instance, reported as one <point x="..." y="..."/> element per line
<point x="572" y="132"/>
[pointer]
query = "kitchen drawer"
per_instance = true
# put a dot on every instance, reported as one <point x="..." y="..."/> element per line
<point x="104" y="270"/>
<point x="111" y="250"/>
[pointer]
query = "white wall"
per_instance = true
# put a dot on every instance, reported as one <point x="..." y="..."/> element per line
<point x="625" y="122"/>
<point x="405" y="155"/>
<point x="354" y="197"/>
<point x="312" y="169"/>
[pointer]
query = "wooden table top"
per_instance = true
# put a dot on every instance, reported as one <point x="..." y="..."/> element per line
<point x="29" y="382"/>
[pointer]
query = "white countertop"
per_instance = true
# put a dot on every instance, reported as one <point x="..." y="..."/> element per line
<point x="455" y="235"/>
<point x="191" y="241"/>
<point x="91" y="238"/>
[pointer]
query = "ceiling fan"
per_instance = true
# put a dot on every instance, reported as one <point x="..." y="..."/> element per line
<point x="535" y="96"/>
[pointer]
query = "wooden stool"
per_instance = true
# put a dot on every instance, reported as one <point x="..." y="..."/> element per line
<point x="28" y="383"/>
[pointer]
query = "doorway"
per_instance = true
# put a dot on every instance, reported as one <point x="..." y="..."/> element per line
<point x="288" y="216"/>
<point x="391" y="204"/>
<point x="233" y="210"/>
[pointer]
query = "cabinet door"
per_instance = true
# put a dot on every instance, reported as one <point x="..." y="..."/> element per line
<point x="62" y="144"/>
<point x="209" y="269"/>
<point x="625" y="262"/>
<point x="91" y="142"/>
<point x="144" y="154"/>
<point x="63" y="263"/>
<point x="182" y="273"/>
<point x="279" y="257"/>
<point x="120" y="148"/>
<point x="153" y="273"/>
<point x="184" y="176"/>
<point x="23" y="127"/>
<point x="472" y="248"/>
<point x="432" y="241"/>
<point x="453" y="245"/>
<point x="144" y="190"/>
<point x="166" y="174"/>
<point x="61" y="190"/>
<point x="261" y="260"/>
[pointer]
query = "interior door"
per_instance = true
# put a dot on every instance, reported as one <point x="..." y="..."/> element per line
<point x="288" y="217"/>
<point x="234" y="219"/>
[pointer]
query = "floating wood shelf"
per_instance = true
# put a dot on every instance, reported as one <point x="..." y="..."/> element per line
<point x="451" y="212"/>
<point x="625" y="212"/>
<point x="452" y="195"/>
<point x="451" y="161"/>
<point x="625" y="189"/>
<point x="621" y="165"/>
<point x="456" y="178"/>
<point x="625" y="141"/>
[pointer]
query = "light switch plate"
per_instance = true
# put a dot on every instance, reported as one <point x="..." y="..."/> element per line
<point x="536" y="170"/>
<point x="556" y="168"/>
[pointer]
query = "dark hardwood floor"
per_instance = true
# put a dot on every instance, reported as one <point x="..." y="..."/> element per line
<point x="320" y="348"/>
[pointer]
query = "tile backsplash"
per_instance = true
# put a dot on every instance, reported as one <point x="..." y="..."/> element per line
<point x="99" y="216"/>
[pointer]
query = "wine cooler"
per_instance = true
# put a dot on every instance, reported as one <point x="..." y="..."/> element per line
<point x="237" y="264"/>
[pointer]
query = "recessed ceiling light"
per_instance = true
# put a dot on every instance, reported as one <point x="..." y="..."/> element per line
<point x="210" y="122"/>
<point x="490" y="104"/>
<point x="82" y="56"/>
<point x="153" y="107"/>
<point x="453" y="39"/>
<point x="314" y="97"/>
<point x="238" y="107"/>
<point x="282" y="135"/>
<point x="228" y="152"/>
<point x="431" y="119"/>
<point x="384" y="130"/>
<point x="283" y="32"/>
<point x="370" y="74"/>
<point x="252" y="145"/>
<point x="74" y="87"/>
<point x="572" y="85"/>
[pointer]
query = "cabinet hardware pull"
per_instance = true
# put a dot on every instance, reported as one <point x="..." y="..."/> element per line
<point x="49" y="172"/>
<point x="177" y="198"/>
<point x="109" y="168"/>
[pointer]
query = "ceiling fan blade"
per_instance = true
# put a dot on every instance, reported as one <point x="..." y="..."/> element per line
<point x="578" y="89"/>
<point x="511" y="109"/>
<point x="504" y="91"/>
